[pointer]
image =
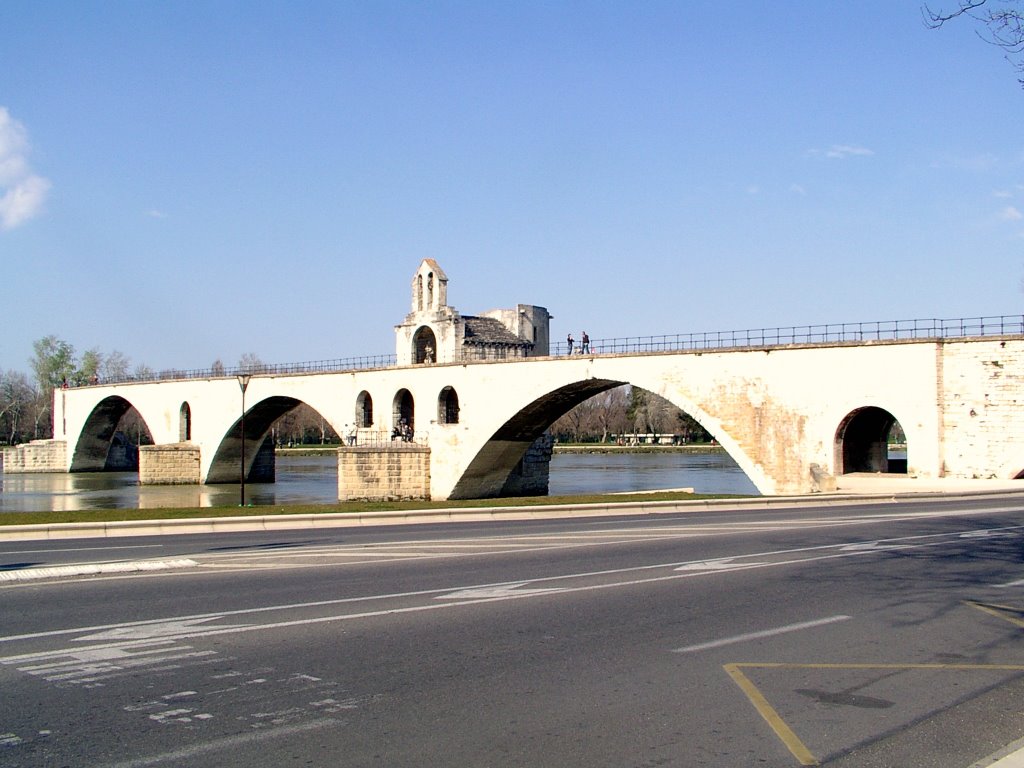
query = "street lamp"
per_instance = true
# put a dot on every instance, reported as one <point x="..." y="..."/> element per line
<point x="243" y="383"/>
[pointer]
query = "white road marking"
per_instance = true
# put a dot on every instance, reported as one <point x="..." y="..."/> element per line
<point x="78" y="549"/>
<point x="24" y="574"/>
<point x="758" y="635"/>
<point x="499" y="591"/>
<point x="185" y="755"/>
<point x="169" y="628"/>
<point x="717" y="565"/>
<point x="1017" y="583"/>
<point x="874" y="546"/>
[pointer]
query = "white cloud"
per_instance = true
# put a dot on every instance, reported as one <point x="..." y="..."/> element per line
<point x="1009" y="213"/>
<point x="841" y="152"/>
<point x="155" y="213"/>
<point x="797" y="189"/>
<point x="979" y="163"/>
<point x="844" y="150"/>
<point x="22" y="192"/>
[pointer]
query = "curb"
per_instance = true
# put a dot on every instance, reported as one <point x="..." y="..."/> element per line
<point x="108" y="529"/>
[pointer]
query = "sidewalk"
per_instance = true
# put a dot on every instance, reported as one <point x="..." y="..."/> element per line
<point x="873" y="483"/>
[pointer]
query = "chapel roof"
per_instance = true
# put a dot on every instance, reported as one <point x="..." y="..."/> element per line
<point x="488" y="330"/>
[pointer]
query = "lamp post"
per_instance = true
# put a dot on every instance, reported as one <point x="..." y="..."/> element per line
<point x="243" y="383"/>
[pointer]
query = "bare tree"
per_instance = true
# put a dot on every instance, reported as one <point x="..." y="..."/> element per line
<point x="1002" y="22"/>
<point x="250" y="363"/>
<point x="16" y="398"/>
<point x="115" y="366"/>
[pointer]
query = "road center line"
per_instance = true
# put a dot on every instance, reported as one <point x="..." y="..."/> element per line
<point x="763" y="633"/>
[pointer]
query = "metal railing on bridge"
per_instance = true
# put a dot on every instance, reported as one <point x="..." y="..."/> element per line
<point x="365" y="363"/>
<point x="884" y="330"/>
<point x="830" y="333"/>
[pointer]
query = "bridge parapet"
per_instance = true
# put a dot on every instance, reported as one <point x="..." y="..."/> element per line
<point x="750" y="338"/>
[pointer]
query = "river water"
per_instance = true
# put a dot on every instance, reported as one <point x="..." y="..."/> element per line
<point x="314" y="480"/>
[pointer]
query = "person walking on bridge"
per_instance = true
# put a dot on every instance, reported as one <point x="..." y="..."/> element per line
<point x="584" y="344"/>
<point x="570" y="341"/>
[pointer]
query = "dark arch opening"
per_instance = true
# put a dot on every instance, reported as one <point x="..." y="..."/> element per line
<point x="110" y="438"/>
<point x="863" y="442"/>
<point x="364" y="410"/>
<point x="424" y="346"/>
<point x="403" y="415"/>
<point x="448" y="406"/>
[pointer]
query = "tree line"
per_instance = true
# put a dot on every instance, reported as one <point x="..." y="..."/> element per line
<point x="623" y="413"/>
<point x="26" y="399"/>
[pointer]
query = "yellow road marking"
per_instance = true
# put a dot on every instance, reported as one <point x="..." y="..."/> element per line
<point x="767" y="711"/>
<point x="786" y="734"/>
<point x="999" y="611"/>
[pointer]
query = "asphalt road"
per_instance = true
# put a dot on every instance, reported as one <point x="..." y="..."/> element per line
<point x="875" y="635"/>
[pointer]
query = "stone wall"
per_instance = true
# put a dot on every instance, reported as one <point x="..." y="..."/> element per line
<point x="387" y="473"/>
<point x="982" y="404"/>
<point x="530" y="477"/>
<point x="36" y="456"/>
<point x="171" y="464"/>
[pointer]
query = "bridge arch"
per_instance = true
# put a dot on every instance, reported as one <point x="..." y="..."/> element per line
<point x="862" y="442"/>
<point x="226" y="465"/>
<point x="488" y="473"/>
<point x="93" y="447"/>
<point x="497" y="459"/>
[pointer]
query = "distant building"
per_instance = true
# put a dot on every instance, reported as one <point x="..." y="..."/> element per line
<point x="436" y="333"/>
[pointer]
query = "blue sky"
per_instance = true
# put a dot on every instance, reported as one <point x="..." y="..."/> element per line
<point x="191" y="181"/>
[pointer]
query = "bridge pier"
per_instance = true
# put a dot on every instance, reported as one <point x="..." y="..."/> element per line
<point x="171" y="464"/>
<point x="36" y="456"/>
<point x="397" y="472"/>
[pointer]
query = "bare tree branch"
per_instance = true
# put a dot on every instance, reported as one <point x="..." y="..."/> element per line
<point x="1003" y="25"/>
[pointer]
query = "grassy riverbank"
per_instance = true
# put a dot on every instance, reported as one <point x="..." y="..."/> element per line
<point x="353" y="507"/>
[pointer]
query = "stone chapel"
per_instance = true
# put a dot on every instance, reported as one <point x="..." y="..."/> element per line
<point x="434" y="332"/>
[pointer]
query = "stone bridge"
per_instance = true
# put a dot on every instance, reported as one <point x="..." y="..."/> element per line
<point x="793" y="416"/>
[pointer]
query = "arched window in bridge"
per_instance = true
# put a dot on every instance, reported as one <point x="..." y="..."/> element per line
<point x="364" y="410"/>
<point x="184" y="423"/>
<point x="424" y="346"/>
<point x="448" y="406"/>
<point x="403" y="416"/>
<point x="870" y="439"/>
